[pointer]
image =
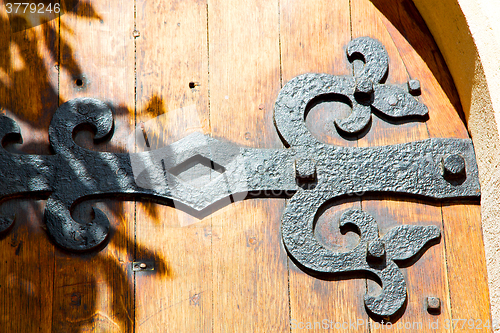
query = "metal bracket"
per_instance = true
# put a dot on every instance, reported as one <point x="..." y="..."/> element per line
<point x="144" y="265"/>
<point x="310" y="172"/>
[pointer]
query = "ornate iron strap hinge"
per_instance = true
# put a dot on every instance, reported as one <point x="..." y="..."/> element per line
<point x="310" y="172"/>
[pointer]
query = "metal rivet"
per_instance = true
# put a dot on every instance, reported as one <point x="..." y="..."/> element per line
<point x="76" y="299"/>
<point x="453" y="166"/>
<point x="433" y="304"/>
<point x="414" y="87"/>
<point x="83" y="109"/>
<point x="364" y="86"/>
<point x="305" y="169"/>
<point x="392" y="100"/>
<point x="143" y="266"/>
<point x="376" y="249"/>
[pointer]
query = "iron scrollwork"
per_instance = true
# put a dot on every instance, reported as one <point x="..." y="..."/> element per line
<point x="433" y="168"/>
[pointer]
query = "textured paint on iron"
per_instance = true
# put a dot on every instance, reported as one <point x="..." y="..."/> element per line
<point x="400" y="243"/>
<point x="74" y="173"/>
<point x="293" y="100"/>
<point x="432" y="168"/>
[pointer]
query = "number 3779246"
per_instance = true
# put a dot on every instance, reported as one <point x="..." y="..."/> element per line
<point x="33" y="8"/>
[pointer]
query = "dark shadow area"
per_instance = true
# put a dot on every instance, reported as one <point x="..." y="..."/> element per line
<point x="33" y="52"/>
<point x="27" y="68"/>
<point x="323" y="113"/>
<point x="407" y="20"/>
<point x="79" y="302"/>
<point x="399" y="120"/>
<point x="80" y="281"/>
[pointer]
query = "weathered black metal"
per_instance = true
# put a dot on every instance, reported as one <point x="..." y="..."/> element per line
<point x="310" y="172"/>
<point x="75" y="173"/>
<point x="454" y="166"/>
<point x="391" y="100"/>
<point x="400" y="243"/>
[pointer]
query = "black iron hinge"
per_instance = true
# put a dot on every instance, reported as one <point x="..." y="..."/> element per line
<point x="308" y="171"/>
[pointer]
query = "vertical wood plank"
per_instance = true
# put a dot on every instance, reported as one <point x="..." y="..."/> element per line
<point x="466" y="265"/>
<point x="468" y="278"/>
<point x="28" y="94"/>
<point x="423" y="60"/>
<point x="369" y="21"/>
<point x="171" y="54"/>
<point x="95" y="292"/>
<point x="250" y="264"/>
<point x="227" y="271"/>
<point x="314" y="35"/>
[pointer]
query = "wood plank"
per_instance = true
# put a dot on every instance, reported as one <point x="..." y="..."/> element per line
<point x="314" y="35"/>
<point x="469" y="300"/>
<point x="250" y="264"/>
<point x="172" y="53"/>
<point x="227" y="271"/>
<point x="332" y="301"/>
<point x="95" y="292"/>
<point x="28" y="94"/>
<point x="27" y="272"/>
<point x="468" y="279"/>
<point x="425" y="277"/>
<point x="369" y="21"/>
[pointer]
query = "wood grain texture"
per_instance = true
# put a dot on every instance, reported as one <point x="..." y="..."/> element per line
<point x="250" y="291"/>
<point x="216" y="67"/>
<point x="426" y="277"/>
<point x="28" y="94"/>
<point x="313" y="36"/>
<point x="95" y="292"/>
<point x="367" y="21"/>
<point x="171" y="53"/>
<point x="467" y="282"/>
<point x="467" y="275"/>
<point x="430" y="276"/>
<point x="313" y="40"/>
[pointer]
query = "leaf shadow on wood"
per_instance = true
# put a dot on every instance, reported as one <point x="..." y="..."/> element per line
<point x="29" y="69"/>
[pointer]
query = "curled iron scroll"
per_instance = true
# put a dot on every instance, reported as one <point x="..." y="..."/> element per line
<point x="434" y="168"/>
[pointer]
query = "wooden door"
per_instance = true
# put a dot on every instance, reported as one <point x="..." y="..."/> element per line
<point x="216" y="67"/>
